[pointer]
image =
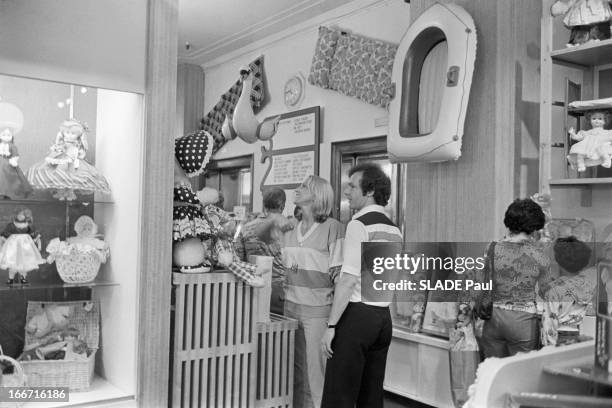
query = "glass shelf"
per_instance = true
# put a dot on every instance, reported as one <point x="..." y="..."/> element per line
<point x="37" y="285"/>
<point x="580" y="181"/>
<point x="582" y="369"/>
<point x="590" y="54"/>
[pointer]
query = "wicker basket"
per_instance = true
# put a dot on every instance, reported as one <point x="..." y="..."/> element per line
<point x="17" y="379"/>
<point x="78" y="267"/>
<point x="76" y="375"/>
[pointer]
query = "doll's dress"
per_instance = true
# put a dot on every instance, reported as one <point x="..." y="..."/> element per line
<point x="19" y="252"/>
<point x="13" y="183"/>
<point x="592" y="146"/>
<point x="64" y="171"/>
<point x="187" y="218"/>
<point x="587" y="12"/>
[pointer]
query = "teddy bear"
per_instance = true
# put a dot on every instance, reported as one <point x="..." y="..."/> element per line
<point x="49" y="319"/>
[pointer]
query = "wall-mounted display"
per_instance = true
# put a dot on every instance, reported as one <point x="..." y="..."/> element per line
<point x="295" y="152"/>
<point x="407" y="141"/>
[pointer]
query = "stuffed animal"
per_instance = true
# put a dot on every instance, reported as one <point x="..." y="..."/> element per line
<point x="49" y="319"/>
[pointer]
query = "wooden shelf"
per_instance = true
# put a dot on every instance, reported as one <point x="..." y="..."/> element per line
<point x="101" y="393"/>
<point x="580" y="181"/>
<point x="34" y="286"/>
<point x="594" y="53"/>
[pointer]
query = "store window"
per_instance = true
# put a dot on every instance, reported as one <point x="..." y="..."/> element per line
<point x="348" y="154"/>
<point x="233" y="178"/>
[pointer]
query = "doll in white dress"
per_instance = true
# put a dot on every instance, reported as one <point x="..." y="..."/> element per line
<point x="20" y="252"/>
<point x="594" y="146"/>
<point x="588" y="20"/>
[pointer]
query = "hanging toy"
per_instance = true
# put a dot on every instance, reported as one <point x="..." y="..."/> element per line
<point x="65" y="170"/>
<point x="13" y="183"/>
<point x="20" y="252"/>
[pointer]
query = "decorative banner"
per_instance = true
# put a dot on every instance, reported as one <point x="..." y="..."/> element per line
<point x="298" y="156"/>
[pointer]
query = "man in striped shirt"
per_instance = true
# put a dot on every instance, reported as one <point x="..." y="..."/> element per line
<point x="359" y="330"/>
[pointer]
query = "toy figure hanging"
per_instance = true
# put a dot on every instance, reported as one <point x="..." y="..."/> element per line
<point x="65" y="170"/>
<point x="13" y="183"/>
<point x="594" y="146"/>
<point x="588" y="20"/>
<point x="20" y="252"/>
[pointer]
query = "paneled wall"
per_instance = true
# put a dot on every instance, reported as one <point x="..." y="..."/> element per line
<point x="466" y="199"/>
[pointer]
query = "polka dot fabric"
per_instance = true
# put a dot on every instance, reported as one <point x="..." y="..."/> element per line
<point x="193" y="152"/>
<point x="185" y="195"/>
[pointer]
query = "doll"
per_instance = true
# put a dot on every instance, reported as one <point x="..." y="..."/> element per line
<point x="20" y="252"/>
<point x="416" y="320"/>
<point x="594" y="145"/>
<point x="588" y="20"/>
<point x="462" y="337"/>
<point x="65" y="169"/>
<point x="13" y="183"/>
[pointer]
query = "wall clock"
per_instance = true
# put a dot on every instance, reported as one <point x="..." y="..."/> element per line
<point x="293" y="92"/>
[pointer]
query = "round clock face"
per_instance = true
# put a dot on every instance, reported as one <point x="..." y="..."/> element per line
<point x="294" y="88"/>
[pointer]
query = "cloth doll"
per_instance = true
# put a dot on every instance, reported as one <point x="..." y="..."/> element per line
<point x="416" y="319"/>
<point x="65" y="170"/>
<point x="13" y="183"/>
<point x="20" y="252"/>
<point x="201" y="231"/>
<point x="588" y="20"/>
<point x="594" y="146"/>
<point x="86" y="241"/>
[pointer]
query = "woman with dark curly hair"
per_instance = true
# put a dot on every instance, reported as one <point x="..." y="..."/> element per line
<point x="515" y="265"/>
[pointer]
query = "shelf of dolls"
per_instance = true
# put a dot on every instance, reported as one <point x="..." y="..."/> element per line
<point x="586" y="55"/>
<point x="101" y="391"/>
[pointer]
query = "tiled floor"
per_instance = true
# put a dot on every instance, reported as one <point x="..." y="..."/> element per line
<point x="395" y="401"/>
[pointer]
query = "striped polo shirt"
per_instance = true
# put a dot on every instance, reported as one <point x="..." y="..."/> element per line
<point x="372" y="224"/>
<point x="308" y="259"/>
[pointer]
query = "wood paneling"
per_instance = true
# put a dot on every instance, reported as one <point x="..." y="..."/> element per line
<point x="156" y="230"/>
<point x="466" y="199"/>
<point x="189" y="98"/>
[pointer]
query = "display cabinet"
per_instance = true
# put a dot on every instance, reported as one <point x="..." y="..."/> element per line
<point x="568" y="73"/>
<point x="115" y="149"/>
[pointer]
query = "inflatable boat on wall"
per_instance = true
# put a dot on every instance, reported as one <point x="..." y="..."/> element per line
<point x="446" y="25"/>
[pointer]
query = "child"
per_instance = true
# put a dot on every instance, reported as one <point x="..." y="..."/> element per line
<point x="13" y="183"/>
<point x="65" y="170"/>
<point x="594" y="145"/>
<point x="567" y="297"/>
<point x="20" y="252"/>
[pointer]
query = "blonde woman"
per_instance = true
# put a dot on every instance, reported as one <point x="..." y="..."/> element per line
<point x="312" y="253"/>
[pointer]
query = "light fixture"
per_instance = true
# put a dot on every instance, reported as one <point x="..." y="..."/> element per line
<point x="83" y="90"/>
<point x="60" y="105"/>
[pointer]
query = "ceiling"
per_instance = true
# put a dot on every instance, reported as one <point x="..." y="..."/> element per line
<point x="212" y="28"/>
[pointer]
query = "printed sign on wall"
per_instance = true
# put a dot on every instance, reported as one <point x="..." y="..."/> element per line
<point x="295" y="154"/>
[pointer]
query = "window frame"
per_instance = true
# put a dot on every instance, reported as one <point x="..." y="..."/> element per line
<point x="230" y="163"/>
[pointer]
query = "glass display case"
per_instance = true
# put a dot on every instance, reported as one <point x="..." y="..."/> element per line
<point x="114" y="149"/>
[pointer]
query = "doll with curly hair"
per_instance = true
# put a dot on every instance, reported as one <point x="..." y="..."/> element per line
<point x="594" y="146"/>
